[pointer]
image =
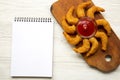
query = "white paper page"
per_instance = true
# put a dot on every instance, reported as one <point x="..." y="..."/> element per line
<point x="32" y="49"/>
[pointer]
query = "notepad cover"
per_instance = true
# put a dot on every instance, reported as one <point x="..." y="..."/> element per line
<point x="32" y="48"/>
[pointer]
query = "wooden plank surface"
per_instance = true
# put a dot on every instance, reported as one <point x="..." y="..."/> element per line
<point x="67" y="65"/>
<point x="61" y="7"/>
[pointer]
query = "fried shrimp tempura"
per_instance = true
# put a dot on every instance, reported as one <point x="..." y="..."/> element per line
<point x="70" y="23"/>
<point x="69" y="16"/>
<point x="81" y="9"/>
<point x="72" y="39"/>
<point x="92" y="10"/>
<point x="105" y="24"/>
<point x="84" y="48"/>
<point x="104" y="39"/>
<point x="67" y="28"/>
<point x="94" y="46"/>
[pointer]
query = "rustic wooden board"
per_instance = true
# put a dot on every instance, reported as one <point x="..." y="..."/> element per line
<point x="60" y="8"/>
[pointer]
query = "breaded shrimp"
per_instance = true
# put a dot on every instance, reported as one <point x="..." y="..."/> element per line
<point x="72" y="39"/>
<point x="67" y="28"/>
<point x="81" y="9"/>
<point x="94" y="46"/>
<point x="84" y="48"/>
<point x="69" y="16"/>
<point x="92" y="10"/>
<point x="104" y="39"/>
<point x="105" y="24"/>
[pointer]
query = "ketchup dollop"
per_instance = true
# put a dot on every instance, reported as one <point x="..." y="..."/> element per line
<point x="86" y="27"/>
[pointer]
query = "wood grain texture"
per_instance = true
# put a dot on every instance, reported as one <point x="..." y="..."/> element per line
<point x="60" y="8"/>
<point x="66" y="65"/>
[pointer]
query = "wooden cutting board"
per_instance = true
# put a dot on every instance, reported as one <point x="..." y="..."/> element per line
<point x="105" y="61"/>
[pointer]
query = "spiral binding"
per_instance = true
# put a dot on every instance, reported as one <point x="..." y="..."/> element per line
<point x="32" y="19"/>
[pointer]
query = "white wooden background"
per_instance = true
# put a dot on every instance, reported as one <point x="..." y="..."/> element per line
<point x="67" y="64"/>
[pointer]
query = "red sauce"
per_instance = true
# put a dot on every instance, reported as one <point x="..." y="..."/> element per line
<point x="86" y="27"/>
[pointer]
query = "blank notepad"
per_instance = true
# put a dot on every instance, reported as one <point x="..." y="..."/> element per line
<point x="32" y="47"/>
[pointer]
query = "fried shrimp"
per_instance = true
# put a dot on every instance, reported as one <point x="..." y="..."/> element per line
<point x="67" y="28"/>
<point x="105" y="24"/>
<point x="104" y="39"/>
<point x="84" y="48"/>
<point x="94" y="46"/>
<point x="72" y="39"/>
<point x="69" y="16"/>
<point x="92" y="10"/>
<point x="81" y="9"/>
<point x="84" y="31"/>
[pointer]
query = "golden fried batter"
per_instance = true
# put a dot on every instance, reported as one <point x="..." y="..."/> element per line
<point x="72" y="39"/>
<point x="94" y="46"/>
<point x="84" y="48"/>
<point x="67" y="28"/>
<point x="92" y="10"/>
<point x="81" y="9"/>
<point x="104" y="39"/>
<point x="85" y="45"/>
<point x="69" y="16"/>
<point x="105" y="24"/>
